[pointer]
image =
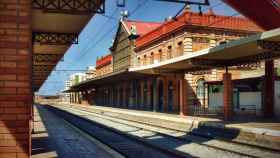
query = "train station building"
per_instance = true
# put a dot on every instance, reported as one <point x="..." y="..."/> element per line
<point x="168" y="67"/>
<point x="161" y="67"/>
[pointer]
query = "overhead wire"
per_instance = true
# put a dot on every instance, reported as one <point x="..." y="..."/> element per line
<point x="90" y="47"/>
<point x="109" y="31"/>
<point x="98" y="33"/>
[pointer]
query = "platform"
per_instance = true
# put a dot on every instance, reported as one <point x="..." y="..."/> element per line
<point x="53" y="137"/>
<point x="265" y="133"/>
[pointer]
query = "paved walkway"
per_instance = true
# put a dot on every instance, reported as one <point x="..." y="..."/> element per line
<point x="55" y="138"/>
<point x="269" y="124"/>
<point x="170" y="140"/>
<point x="264" y="133"/>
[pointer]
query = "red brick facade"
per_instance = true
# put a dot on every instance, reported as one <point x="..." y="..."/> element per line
<point x="201" y="21"/>
<point x="15" y="78"/>
<point x="104" y="65"/>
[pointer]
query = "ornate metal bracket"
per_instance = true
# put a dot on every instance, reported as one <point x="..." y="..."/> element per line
<point x="70" y="6"/>
<point x="55" y="38"/>
<point x="46" y="57"/>
<point x="199" y="72"/>
<point x="42" y="68"/>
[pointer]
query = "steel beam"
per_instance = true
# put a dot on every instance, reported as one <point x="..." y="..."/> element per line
<point x="188" y="2"/>
<point x="70" y="6"/>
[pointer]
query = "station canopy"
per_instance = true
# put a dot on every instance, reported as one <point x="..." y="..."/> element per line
<point x="56" y="25"/>
<point x="108" y="79"/>
<point x="251" y="49"/>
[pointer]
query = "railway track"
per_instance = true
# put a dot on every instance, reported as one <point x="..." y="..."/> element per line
<point x="176" y="142"/>
<point x="128" y="146"/>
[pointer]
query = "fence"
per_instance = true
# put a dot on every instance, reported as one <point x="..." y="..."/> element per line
<point x="215" y="112"/>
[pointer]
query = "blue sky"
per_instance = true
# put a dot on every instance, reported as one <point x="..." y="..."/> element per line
<point x="96" y="37"/>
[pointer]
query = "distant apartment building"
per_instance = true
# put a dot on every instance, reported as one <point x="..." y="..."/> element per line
<point x="74" y="80"/>
<point x="91" y="72"/>
<point x="77" y="78"/>
<point x="67" y="86"/>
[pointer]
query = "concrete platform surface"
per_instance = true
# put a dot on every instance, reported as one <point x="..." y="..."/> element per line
<point x="53" y="137"/>
<point x="263" y="133"/>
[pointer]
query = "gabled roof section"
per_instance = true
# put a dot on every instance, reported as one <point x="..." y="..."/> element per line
<point x="189" y="18"/>
<point x="142" y="27"/>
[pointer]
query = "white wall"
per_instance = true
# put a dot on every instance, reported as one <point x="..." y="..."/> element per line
<point x="215" y="99"/>
<point x="250" y="98"/>
<point x="277" y="99"/>
<point x="245" y="98"/>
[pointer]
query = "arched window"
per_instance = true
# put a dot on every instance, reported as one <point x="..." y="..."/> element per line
<point x="180" y="48"/>
<point x="145" y="60"/>
<point x="169" y="52"/>
<point x="160" y="55"/>
<point x="200" y="89"/>
<point x="152" y="58"/>
<point x="138" y="61"/>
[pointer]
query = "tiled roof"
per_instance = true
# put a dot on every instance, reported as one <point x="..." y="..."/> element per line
<point x="195" y="19"/>
<point x="103" y="61"/>
<point x="142" y="27"/>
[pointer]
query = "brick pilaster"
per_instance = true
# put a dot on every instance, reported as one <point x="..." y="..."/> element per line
<point x="268" y="107"/>
<point x="125" y="94"/>
<point x="149" y="94"/>
<point x="155" y="93"/>
<point x="165" y="94"/>
<point x="175" y="96"/>
<point x="15" y="78"/>
<point x="141" y="94"/>
<point x="187" y="45"/>
<point x="227" y="98"/>
<point x="183" y="97"/>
